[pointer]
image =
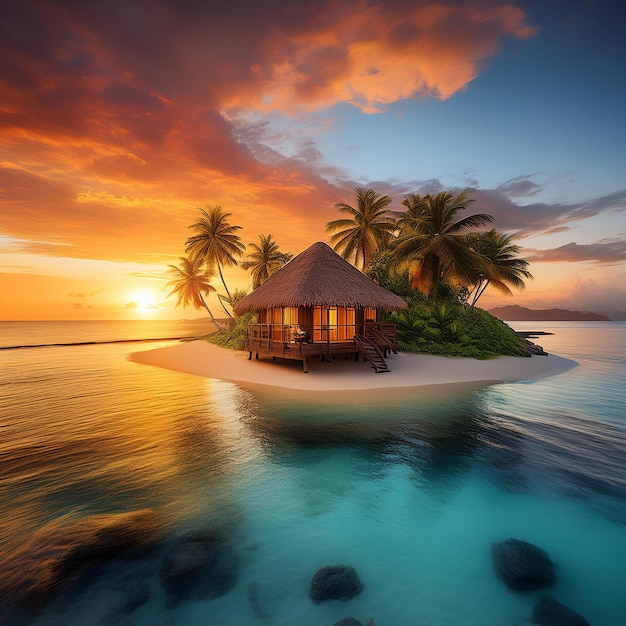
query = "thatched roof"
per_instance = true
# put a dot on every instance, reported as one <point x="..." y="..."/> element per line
<point x="319" y="276"/>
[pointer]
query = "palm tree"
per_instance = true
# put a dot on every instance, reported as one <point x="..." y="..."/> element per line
<point x="216" y="242"/>
<point x="369" y="228"/>
<point x="190" y="282"/>
<point x="433" y="244"/>
<point x="238" y="294"/>
<point x="500" y="265"/>
<point x="265" y="259"/>
<point x="407" y="219"/>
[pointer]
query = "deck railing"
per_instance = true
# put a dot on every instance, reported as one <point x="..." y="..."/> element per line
<point x="265" y="338"/>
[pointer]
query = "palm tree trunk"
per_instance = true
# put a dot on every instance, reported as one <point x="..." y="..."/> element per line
<point x="471" y="295"/>
<point x="220" y="298"/>
<point x="436" y="278"/>
<point x="480" y="292"/>
<point x="219" y="269"/>
<point x="215" y="322"/>
<point x="366" y="260"/>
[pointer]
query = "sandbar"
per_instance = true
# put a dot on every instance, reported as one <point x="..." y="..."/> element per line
<point x="201" y="358"/>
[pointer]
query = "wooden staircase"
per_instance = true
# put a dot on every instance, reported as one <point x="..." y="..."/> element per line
<point x="380" y="339"/>
<point x="372" y="353"/>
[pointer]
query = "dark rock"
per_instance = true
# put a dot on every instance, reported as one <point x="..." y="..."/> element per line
<point x="62" y="551"/>
<point x="203" y="566"/>
<point x="533" y="349"/>
<point x="549" y="612"/>
<point x="335" y="582"/>
<point x="521" y="565"/>
<point x="348" y="621"/>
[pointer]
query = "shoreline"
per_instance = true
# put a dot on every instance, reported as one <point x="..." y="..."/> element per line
<point x="201" y="358"/>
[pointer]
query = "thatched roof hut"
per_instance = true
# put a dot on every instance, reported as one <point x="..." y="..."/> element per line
<point x="319" y="277"/>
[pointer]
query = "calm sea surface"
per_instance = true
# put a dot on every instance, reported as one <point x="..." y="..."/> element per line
<point x="409" y="492"/>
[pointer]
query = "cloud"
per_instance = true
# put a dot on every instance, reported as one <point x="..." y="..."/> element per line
<point x="609" y="253"/>
<point x="73" y="294"/>
<point x="519" y="187"/>
<point x="133" y="304"/>
<point x="148" y="275"/>
<point x="543" y="218"/>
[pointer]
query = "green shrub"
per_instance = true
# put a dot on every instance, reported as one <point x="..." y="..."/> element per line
<point x="233" y="339"/>
<point x="448" y="328"/>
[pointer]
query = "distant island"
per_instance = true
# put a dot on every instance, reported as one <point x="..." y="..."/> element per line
<point x="515" y="312"/>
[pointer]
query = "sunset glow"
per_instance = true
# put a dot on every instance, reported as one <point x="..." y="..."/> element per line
<point x="119" y="120"/>
<point x="143" y="301"/>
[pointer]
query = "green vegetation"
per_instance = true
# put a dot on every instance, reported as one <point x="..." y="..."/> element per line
<point x="234" y="338"/>
<point x="449" y="328"/>
<point x="445" y="325"/>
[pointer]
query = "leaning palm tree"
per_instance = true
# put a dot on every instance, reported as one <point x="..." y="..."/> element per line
<point x="434" y="247"/>
<point x="191" y="282"/>
<point x="500" y="265"/>
<point x="215" y="242"/>
<point x="264" y="259"/>
<point x="368" y="229"/>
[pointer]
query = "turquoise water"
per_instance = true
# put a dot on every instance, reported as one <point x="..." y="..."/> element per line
<point x="411" y="492"/>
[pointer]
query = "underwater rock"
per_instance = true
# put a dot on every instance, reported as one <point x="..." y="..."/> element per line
<point x="61" y="551"/>
<point x="202" y="566"/>
<point x="348" y="621"/>
<point x="549" y="612"/>
<point x="521" y="565"/>
<point x="335" y="582"/>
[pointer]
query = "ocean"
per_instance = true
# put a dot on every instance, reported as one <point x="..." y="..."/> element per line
<point x="410" y="493"/>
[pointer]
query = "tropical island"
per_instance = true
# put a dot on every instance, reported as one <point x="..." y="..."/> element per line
<point x="395" y="282"/>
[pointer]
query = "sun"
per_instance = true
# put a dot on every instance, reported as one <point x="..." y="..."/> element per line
<point x="144" y="301"/>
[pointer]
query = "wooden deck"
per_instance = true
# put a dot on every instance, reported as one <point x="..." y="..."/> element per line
<point x="291" y="342"/>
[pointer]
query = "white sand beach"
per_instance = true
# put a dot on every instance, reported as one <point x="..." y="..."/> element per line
<point x="407" y="370"/>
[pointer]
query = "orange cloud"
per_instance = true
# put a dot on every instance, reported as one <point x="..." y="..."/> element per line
<point x="372" y="56"/>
